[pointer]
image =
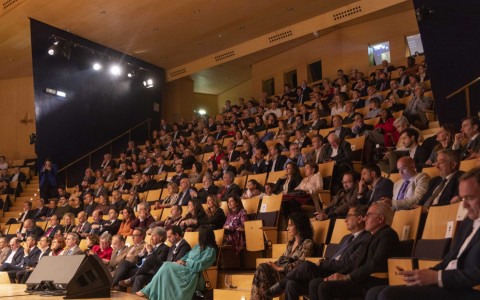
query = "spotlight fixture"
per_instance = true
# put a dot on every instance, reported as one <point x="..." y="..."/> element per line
<point x="53" y="49"/>
<point x="131" y="74"/>
<point x="97" y="66"/>
<point x="202" y="112"/>
<point x="115" y="70"/>
<point x="148" y="83"/>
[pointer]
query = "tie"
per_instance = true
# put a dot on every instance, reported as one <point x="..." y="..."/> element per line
<point x="69" y="252"/>
<point x="343" y="247"/>
<point x="435" y="194"/>
<point x="403" y="190"/>
<point x="49" y="231"/>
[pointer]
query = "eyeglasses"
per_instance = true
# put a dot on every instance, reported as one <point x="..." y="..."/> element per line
<point x="370" y="214"/>
<point x="469" y="198"/>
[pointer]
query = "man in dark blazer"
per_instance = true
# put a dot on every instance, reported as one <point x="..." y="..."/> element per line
<point x="162" y="167"/>
<point x="112" y="225"/>
<point x="27" y="213"/>
<point x="409" y="138"/>
<point x="315" y="156"/>
<point x="443" y="189"/>
<point x="31" y="229"/>
<point x="381" y="187"/>
<point x="14" y="256"/>
<point x="338" y="129"/>
<point x="359" y="127"/>
<point x="89" y="204"/>
<point x="226" y="167"/>
<point x="231" y="153"/>
<point x="297" y="281"/>
<point x="152" y="257"/>
<point x="41" y="210"/>
<point x="459" y="272"/>
<point x="179" y="249"/>
<point x="31" y="255"/>
<point x="230" y="188"/>
<point x="317" y="123"/>
<point x="256" y="143"/>
<point x="339" y="151"/>
<point x="470" y="131"/>
<point x="54" y="227"/>
<point x="101" y="189"/>
<point x="208" y="189"/>
<point x="150" y="167"/>
<point x="259" y="164"/>
<point x="373" y="258"/>
<point x="275" y="159"/>
<point x="185" y="194"/>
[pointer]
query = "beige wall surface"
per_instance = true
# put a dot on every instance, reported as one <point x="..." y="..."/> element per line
<point x="17" y="118"/>
<point x="242" y="90"/>
<point x="345" y="48"/>
<point x="208" y="102"/>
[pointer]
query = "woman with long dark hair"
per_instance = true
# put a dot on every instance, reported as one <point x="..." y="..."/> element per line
<point x="234" y="234"/>
<point x="195" y="217"/>
<point x="215" y="214"/>
<point x="179" y="280"/>
<point x="128" y="216"/>
<point x="300" y="246"/>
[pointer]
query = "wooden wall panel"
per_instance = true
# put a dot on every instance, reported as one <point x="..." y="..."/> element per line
<point x="16" y="98"/>
<point x="343" y="48"/>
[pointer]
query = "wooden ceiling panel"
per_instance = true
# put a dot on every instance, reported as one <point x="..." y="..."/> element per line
<point x="167" y="33"/>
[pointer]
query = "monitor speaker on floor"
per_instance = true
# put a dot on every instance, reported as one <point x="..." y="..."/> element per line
<point x="75" y="276"/>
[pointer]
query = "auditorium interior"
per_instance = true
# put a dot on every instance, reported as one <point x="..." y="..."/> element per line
<point x="291" y="138"/>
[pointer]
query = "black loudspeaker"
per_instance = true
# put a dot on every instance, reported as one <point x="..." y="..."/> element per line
<point x="75" y="276"/>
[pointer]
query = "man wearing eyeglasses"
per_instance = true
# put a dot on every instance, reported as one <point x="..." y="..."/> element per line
<point x="308" y="274"/>
<point x="373" y="258"/>
<point x="458" y="275"/>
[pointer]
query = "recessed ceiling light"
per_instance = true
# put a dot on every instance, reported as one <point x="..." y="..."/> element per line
<point x="242" y="27"/>
<point x="200" y="43"/>
<point x="102" y="12"/>
<point x="290" y="9"/>
<point x="196" y="11"/>
<point x="156" y="29"/>
<point x="219" y="35"/>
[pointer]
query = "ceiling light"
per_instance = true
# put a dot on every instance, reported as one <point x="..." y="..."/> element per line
<point x="148" y="83"/>
<point x="131" y="74"/>
<point x="97" y="66"/>
<point x="115" y="70"/>
<point x="202" y="112"/>
<point x="61" y="94"/>
<point x="53" y="49"/>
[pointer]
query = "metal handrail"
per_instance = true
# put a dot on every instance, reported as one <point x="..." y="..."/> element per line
<point x="465" y="88"/>
<point x="129" y="132"/>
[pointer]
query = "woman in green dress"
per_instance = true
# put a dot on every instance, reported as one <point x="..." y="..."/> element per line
<point x="179" y="280"/>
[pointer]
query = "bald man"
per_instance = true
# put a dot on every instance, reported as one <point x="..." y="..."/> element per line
<point x="408" y="191"/>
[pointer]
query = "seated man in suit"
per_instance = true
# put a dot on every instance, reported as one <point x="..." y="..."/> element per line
<point x="14" y="256"/>
<point x="112" y="225"/>
<point x="31" y="255"/>
<point x="343" y="200"/>
<point x="295" y="156"/>
<point x="275" y="159"/>
<point x="301" y="139"/>
<point x="31" y="229"/>
<point x="144" y="218"/>
<point x="443" y="189"/>
<point x="338" y="129"/>
<point x="317" y="123"/>
<point x="4" y="249"/>
<point x="152" y="257"/>
<point x="339" y="151"/>
<point x="117" y="202"/>
<point x="230" y="188"/>
<point x="97" y="224"/>
<point x="209" y="188"/>
<point x="72" y="241"/>
<point x="412" y="148"/>
<point x="179" y="249"/>
<point x="225" y="167"/>
<point x="408" y="191"/>
<point x="315" y="156"/>
<point x="41" y="211"/>
<point x="119" y="253"/>
<point x="359" y="126"/>
<point x="83" y="226"/>
<point x="101" y="189"/>
<point x="459" y="272"/>
<point x="372" y="258"/>
<point x="27" y="213"/>
<point x="54" y="228"/>
<point x="185" y="193"/>
<point x="259" y="164"/>
<point x="121" y="185"/>
<point x="297" y="281"/>
<point x="381" y="187"/>
<point x="470" y="131"/>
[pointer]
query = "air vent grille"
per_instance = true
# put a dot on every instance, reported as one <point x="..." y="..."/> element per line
<point x="280" y="36"/>
<point x="224" y="56"/>
<point x="6" y="4"/>
<point x="347" y="13"/>
<point x="178" y="72"/>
